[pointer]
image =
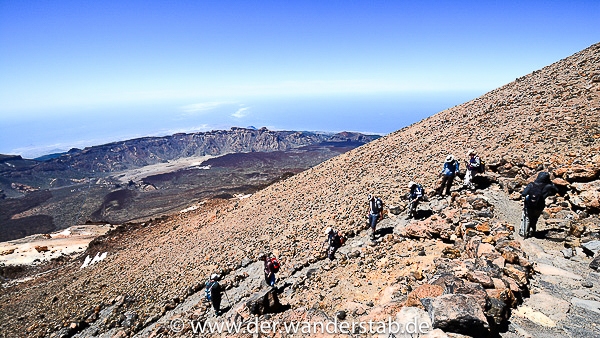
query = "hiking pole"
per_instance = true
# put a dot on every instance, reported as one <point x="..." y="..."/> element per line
<point x="226" y="296"/>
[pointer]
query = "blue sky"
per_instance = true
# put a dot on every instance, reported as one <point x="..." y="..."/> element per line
<point x="77" y="73"/>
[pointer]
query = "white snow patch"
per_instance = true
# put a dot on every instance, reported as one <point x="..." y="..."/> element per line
<point x="86" y="263"/>
<point x="98" y="258"/>
<point x="193" y="207"/>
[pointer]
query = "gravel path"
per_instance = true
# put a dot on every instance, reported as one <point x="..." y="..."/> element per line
<point x="565" y="293"/>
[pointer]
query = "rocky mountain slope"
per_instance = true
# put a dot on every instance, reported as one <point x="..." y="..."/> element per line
<point x="546" y="120"/>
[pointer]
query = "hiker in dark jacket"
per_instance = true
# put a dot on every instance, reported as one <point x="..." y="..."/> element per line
<point x="535" y="194"/>
<point x="451" y="168"/>
<point x="213" y="292"/>
<point x="334" y="242"/>
<point x="375" y="212"/>
<point x="415" y="195"/>
<point x="269" y="269"/>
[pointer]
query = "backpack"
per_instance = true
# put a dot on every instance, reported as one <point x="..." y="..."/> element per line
<point x="416" y="192"/>
<point x="342" y="238"/>
<point x="275" y="265"/>
<point x="474" y="163"/>
<point x="535" y="199"/>
<point x="337" y="240"/>
<point x="208" y="289"/>
<point x="377" y="205"/>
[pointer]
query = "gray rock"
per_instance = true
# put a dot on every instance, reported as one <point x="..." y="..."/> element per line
<point x="457" y="313"/>
<point x="245" y="262"/>
<point x="341" y="315"/>
<point x="567" y="253"/>
<point x="130" y="318"/>
<point x="595" y="263"/>
<point x="264" y="302"/>
<point x="498" y="311"/>
<point x="590" y="305"/>
<point x="395" y="210"/>
<point x="591" y="248"/>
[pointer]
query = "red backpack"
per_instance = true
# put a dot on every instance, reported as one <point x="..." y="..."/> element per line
<point x="275" y="265"/>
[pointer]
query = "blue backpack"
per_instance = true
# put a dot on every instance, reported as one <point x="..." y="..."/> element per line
<point x="209" y="286"/>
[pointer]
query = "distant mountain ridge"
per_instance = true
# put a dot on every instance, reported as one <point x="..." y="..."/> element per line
<point x="135" y="153"/>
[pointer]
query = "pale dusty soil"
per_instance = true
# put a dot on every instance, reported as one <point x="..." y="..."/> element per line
<point x="67" y="242"/>
<point x="160" y="168"/>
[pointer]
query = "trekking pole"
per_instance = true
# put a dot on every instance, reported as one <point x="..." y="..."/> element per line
<point x="226" y="296"/>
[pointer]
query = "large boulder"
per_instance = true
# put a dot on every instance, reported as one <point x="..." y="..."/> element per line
<point x="416" y="230"/>
<point x="457" y="313"/>
<point x="588" y="195"/>
<point x="263" y="302"/>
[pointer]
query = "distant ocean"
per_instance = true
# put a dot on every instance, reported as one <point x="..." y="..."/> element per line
<point x="60" y="130"/>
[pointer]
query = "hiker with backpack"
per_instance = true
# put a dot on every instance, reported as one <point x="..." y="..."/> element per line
<point x="535" y="195"/>
<point x="474" y="166"/>
<point x="375" y="212"/>
<point x="271" y="268"/>
<point x="451" y="168"/>
<point x="415" y="194"/>
<point x="213" y="292"/>
<point x="335" y="240"/>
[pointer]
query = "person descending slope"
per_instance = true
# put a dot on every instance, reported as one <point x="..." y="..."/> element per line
<point x="271" y="268"/>
<point x="451" y="169"/>
<point x="414" y="196"/>
<point x="535" y="195"/>
<point x="473" y="167"/>
<point x="213" y="292"/>
<point x="375" y="212"/>
<point x="334" y="240"/>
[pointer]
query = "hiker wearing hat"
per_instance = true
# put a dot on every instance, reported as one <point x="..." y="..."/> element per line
<point x="472" y="169"/>
<point x="213" y="292"/>
<point x="375" y="212"/>
<point x="415" y="194"/>
<point x="451" y="168"/>
<point x="335" y="240"/>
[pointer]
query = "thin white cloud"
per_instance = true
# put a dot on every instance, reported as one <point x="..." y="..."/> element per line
<point x="240" y="112"/>
<point x="201" y="107"/>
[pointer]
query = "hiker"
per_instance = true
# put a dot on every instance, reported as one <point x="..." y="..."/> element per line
<point x="375" y="212"/>
<point x="271" y="268"/>
<point x="535" y="195"/>
<point x="213" y="292"/>
<point x="473" y="165"/>
<point x="451" y="168"/>
<point x="335" y="240"/>
<point x="414" y="196"/>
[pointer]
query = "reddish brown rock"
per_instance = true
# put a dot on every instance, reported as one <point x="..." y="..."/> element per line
<point x="517" y="274"/>
<point x="416" y="230"/>
<point x="423" y="291"/>
<point x="510" y="257"/>
<point x="481" y="278"/>
<point x="560" y="182"/>
<point x="504" y="294"/>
